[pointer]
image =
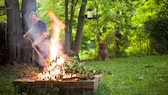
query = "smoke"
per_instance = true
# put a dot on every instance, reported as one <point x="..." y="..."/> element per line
<point x="27" y="7"/>
<point x="33" y="34"/>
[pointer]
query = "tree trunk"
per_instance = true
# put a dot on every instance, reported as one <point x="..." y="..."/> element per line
<point x="67" y="32"/>
<point x="117" y="41"/>
<point x="15" y="30"/>
<point x="69" y="23"/>
<point x="27" y="7"/>
<point x="81" y="18"/>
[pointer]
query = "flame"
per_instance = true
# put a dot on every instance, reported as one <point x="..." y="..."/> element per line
<point x="57" y="26"/>
<point x="55" y="60"/>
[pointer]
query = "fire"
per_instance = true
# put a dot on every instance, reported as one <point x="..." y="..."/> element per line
<point x="56" y="60"/>
<point x="57" y="26"/>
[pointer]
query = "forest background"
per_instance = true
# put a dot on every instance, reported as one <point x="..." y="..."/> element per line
<point x="129" y="27"/>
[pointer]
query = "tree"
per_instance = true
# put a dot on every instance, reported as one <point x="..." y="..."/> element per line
<point x="27" y="7"/>
<point x="15" y="30"/>
<point x="69" y="23"/>
<point x="19" y="48"/>
<point x="71" y="44"/>
<point x="120" y="17"/>
<point x="78" y="38"/>
<point x="156" y="27"/>
<point x="67" y="30"/>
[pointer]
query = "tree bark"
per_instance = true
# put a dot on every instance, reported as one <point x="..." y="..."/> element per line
<point x="78" y="38"/>
<point x="69" y="23"/>
<point x="15" y="30"/>
<point x="67" y="32"/>
<point x="27" y="7"/>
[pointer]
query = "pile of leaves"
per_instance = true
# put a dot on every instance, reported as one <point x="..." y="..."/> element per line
<point x="72" y="66"/>
<point x="79" y="69"/>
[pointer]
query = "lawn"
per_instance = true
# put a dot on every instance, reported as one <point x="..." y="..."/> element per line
<point x="147" y="75"/>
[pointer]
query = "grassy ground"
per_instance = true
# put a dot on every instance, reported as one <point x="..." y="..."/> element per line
<point x="6" y="77"/>
<point x="147" y="75"/>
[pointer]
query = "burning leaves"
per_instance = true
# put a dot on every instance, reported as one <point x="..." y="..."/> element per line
<point x="60" y="67"/>
<point x="55" y="60"/>
<point x="72" y="69"/>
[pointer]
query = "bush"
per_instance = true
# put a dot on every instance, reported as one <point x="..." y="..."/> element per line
<point x="157" y="29"/>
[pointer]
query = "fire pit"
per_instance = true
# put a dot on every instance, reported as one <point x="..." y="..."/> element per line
<point x="64" y="87"/>
<point x="74" y="79"/>
<point x="63" y="75"/>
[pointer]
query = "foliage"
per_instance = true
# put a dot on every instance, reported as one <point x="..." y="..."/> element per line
<point x="6" y="78"/>
<point x="118" y="18"/>
<point x="156" y="28"/>
<point x="79" y="69"/>
<point x="128" y="16"/>
<point x="44" y="6"/>
<point x="2" y="12"/>
<point x="158" y="32"/>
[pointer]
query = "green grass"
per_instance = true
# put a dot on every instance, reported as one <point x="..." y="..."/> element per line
<point x="147" y="75"/>
<point x="6" y="78"/>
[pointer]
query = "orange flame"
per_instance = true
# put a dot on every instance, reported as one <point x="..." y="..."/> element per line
<point x="57" y="26"/>
<point x="55" y="60"/>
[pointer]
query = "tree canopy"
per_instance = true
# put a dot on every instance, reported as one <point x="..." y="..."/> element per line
<point x="129" y="27"/>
